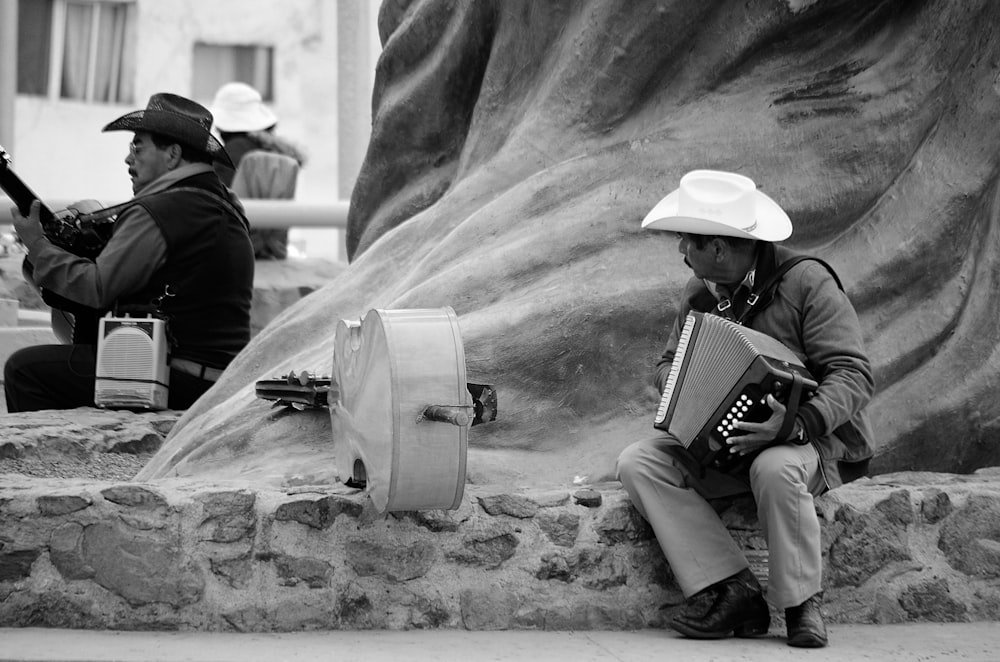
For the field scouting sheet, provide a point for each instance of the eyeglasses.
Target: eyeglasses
(133, 149)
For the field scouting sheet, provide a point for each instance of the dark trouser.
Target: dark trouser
(62, 377)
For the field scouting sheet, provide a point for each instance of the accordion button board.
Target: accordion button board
(721, 374)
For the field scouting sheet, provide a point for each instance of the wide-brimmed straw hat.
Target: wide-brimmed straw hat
(175, 117)
(713, 202)
(238, 108)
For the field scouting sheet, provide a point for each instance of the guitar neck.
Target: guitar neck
(18, 191)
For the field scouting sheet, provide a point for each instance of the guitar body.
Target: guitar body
(401, 420)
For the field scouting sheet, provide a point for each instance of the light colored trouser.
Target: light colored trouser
(666, 486)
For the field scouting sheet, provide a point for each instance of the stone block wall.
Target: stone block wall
(913, 546)
(182, 555)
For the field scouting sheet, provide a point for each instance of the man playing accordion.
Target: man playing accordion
(727, 231)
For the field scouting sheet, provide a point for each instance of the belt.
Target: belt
(196, 369)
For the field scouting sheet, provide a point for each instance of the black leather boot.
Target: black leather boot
(737, 608)
(698, 605)
(805, 624)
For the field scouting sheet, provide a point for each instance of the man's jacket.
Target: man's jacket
(813, 317)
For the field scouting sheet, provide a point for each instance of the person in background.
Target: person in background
(180, 249)
(266, 165)
(726, 231)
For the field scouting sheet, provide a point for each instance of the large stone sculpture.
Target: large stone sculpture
(517, 144)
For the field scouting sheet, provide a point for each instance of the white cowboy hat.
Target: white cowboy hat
(238, 108)
(719, 203)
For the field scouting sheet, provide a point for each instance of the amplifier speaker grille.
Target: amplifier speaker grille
(132, 370)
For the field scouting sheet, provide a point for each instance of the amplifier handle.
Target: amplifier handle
(794, 396)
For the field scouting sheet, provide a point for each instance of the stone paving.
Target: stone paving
(957, 642)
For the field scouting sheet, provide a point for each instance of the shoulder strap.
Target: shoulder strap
(762, 297)
(110, 214)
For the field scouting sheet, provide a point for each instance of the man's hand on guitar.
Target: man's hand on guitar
(758, 436)
(28, 229)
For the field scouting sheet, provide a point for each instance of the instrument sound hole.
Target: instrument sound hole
(360, 476)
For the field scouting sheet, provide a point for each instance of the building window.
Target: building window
(218, 64)
(77, 49)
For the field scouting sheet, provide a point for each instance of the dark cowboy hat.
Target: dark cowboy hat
(175, 117)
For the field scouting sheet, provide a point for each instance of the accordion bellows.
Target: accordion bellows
(722, 373)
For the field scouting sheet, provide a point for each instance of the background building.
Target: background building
(81, 63)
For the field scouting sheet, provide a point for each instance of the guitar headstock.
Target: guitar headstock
(17, 190)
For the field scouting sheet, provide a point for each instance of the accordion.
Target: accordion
(721, 374)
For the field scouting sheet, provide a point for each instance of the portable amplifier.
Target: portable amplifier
(132, 371)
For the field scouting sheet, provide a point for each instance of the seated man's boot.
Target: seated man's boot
(805, 624)
(738, 608)
(698, 605)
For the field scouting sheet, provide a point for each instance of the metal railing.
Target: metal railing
(262, 213)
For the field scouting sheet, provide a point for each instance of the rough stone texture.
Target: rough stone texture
(82, 432)
(175, 554)
(108, 445)
(516, 146)
(280, 283)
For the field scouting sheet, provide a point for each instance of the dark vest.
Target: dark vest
(208, 272)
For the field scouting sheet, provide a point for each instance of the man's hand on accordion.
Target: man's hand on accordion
(758, 436)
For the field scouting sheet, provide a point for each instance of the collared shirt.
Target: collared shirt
(720, 292)
(133, 254)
